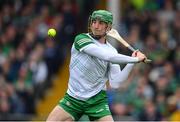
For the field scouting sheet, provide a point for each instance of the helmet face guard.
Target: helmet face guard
(102, 15)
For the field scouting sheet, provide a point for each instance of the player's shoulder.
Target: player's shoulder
(82, 40)
(82, 36)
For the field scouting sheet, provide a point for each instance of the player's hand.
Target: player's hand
(140, 55)
(134, 54)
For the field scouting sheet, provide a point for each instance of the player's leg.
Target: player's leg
(59, 114)
(106, 118)
(67, 109)
(97, 108)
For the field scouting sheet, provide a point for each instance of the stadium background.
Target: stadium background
(34, 68)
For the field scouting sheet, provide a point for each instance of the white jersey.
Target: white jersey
(88, 74)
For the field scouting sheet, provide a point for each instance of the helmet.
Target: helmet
(103, 15)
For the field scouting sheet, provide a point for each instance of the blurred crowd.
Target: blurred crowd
(29, 59)
(152, 92)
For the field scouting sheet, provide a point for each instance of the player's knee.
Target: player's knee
(58, 114)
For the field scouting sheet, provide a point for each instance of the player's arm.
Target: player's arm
(112, 57)
(85, 44)
(116, 76)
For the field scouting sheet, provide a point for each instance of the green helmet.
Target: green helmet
(103, 15)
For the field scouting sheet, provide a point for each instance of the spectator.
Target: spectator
(150, 112)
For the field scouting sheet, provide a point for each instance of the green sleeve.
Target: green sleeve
(81, 41)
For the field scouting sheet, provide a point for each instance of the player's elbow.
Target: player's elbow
(115, 85)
